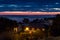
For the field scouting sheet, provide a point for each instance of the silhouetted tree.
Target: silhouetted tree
(55, 29)
(7, 24)
(21, 26)
(26, 20)
(37, 23)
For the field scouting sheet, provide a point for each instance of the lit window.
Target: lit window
(15, 29)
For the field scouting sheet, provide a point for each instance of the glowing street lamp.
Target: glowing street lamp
(27, 29)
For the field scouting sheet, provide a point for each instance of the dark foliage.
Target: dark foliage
(55, 29)
(7, 24)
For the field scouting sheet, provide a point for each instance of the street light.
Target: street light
(26, 29)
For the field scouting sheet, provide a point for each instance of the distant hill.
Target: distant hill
(31, 17)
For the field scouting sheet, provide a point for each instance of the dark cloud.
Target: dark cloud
(29, 5)
(26, 1)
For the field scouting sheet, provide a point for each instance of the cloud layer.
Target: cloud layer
(28, 13)
(31, 7)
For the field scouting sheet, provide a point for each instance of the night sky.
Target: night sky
(30, 5)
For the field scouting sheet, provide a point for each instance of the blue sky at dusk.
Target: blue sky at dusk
(30, 5)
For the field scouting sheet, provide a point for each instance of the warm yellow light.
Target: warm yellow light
(15, 29)
(43, 29)
(38, 29)
(33, 30)
(27, 29)
(30, 32)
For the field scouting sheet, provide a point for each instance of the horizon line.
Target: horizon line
(27, 13)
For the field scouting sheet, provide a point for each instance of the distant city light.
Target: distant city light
(27, 29)
(38, 29)
(15, 29)
(33, 30)
(43, 29)
(30, 32)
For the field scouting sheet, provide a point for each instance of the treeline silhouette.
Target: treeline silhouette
(55, 28)
(8, 24)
